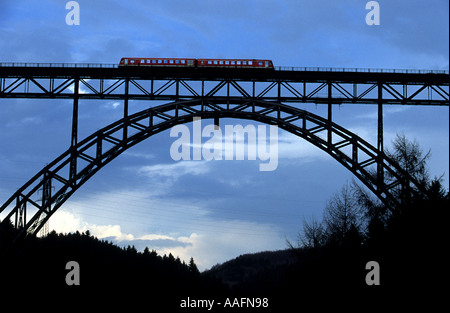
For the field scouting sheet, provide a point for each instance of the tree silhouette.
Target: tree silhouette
(411, 158)
(193, 267)
(313, 234)
(341, 217)
(409, 241)
(342, 221)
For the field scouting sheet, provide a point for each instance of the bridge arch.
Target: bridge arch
(68, 172)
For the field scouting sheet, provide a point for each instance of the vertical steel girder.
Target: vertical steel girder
(380, 140)
(74, 134)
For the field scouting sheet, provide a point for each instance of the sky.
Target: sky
(212, 210)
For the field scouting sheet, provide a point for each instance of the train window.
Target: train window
(190, 62)
(238, 62)
(250, 63)
(260, 63)
(131, 61)
(153, 61)
(244, 62)
(210, 62)
(177, 61)
(165, 62)
(159, 61)
(227, 62)
(183, 61)
(220, 62)
(142, 61)
(171, 61)
(215, 62)
(233, 62)
(148, 61)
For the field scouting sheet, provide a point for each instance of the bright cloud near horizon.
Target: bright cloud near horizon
(212, 210)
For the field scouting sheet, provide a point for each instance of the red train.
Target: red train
(180, 62)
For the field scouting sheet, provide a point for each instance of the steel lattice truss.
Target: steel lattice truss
(428, 90)
(263, 96)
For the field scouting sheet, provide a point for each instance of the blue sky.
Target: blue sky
(214, 210)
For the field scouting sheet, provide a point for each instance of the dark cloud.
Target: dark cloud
(309, 33)
(416, 26)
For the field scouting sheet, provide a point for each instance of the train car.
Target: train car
(235, 63)
(155, 62)
(204, 63)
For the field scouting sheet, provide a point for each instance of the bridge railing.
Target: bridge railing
(278, 68)
(359, 70)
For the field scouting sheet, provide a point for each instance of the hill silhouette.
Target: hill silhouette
(254, 273)
(123, 275)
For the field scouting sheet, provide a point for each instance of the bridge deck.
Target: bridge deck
(292, 74)
(282, 84)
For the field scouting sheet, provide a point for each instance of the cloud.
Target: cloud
(212, 242)
(109, 231)
(66, 222)
(141, 243)
(387, 110)
(231, 239)
(328, 33)
(112, 105)
(416, 26)
(25, 122)
(172, 172)
(295, 148)
(146, 156)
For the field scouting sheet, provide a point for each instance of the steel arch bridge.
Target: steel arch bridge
(270, 97)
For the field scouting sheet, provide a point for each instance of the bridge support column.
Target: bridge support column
(380, 145)
(380, 141)
(330, 113)
(125, 108)
(74, 139)
(216, 123)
